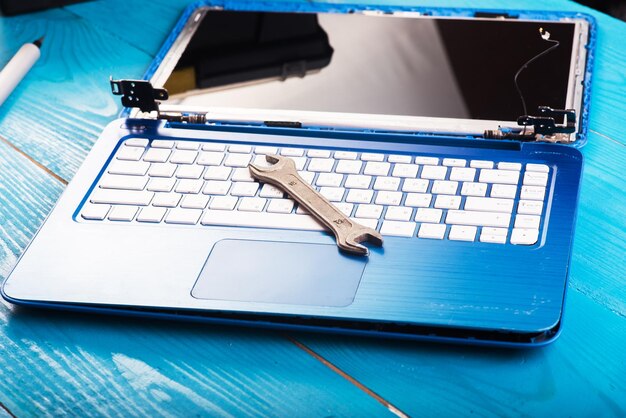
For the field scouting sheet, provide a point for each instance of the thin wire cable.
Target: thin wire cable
(530, 61)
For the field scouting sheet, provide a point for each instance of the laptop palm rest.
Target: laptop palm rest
(279, 272)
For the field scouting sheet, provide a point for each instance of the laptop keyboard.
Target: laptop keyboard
(426, 197)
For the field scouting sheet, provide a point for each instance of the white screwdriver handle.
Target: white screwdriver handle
(17, 68)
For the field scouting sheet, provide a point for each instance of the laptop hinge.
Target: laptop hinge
(140, 94)
(541, 128)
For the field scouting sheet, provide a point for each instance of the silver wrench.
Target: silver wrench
(348, 233)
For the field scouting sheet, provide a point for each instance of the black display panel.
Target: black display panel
(386, 65)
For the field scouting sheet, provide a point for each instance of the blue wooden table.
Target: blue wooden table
(74, 364)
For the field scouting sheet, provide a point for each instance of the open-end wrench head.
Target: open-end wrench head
(364, 235)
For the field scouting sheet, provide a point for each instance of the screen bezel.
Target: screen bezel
(356, 121)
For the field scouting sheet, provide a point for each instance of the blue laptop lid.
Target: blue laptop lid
(581, 70)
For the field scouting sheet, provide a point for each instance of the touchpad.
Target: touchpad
(279, 272)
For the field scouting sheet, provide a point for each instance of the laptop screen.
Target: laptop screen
(383, 64)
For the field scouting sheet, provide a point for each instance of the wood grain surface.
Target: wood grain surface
(57, 364)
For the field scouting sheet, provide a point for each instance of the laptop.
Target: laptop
(454, 133)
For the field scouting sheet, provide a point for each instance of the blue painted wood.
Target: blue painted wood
(86, 365)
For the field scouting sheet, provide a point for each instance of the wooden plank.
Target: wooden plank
(581, 374)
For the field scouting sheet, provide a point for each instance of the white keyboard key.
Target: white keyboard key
(399, 213)
(244, 189)
(448, 202)
(345, 208)
(166, 200)
(434, 172)
(403, 159)
(428, 215)
(387, 183)
(474, 218)
(510, 166)
(345, 155)
(151, 214)
(280, 206)
(349, 166)
(535, 178)
(405, 170)
(189, 172)
(370, 223)
(240, 149)
(129, 153)
(242, 174)
(238, 160)
(359, 196)
(188, 145)
(329, 179)
(307, 176)
(433, 231)
(389, 198)
(115, 181)
(370, 156)
(161, 143)
(418, 200)
(252, 204)
(521, 236)
(542, 168)
(159, 184)
(318, 153)
(217, 173)
(462, 174)
(321, 164)
(462, 233)
(94, 212)
(194, 201)
(300, 210)
(265, 150)
(189, 186)
(492, 239)
(499, 176)
(216, 187)
(444, 187)
(481, 164)
(505, 191)
(333, 194)
(269, 190)
(122, 213)
(530, 207)
(488, 230)
(474, 189)
(162, 170)
(210, 158)
(299, 162)
(183, 216)
(427, 160)
(533, 193)
(261, 161)
(454, 162)
(398, 228)
(489, 204)
(527, 221)
(222, 203)
(213, 146)
(358, 181)
(183, 157)
(136, 142)
(261, 220)
(157, 155)
(368, 211)
(121, 197)
(292, 152)
(415, 185)
(131, 168)
(375, 168)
